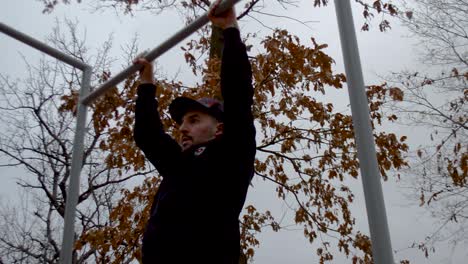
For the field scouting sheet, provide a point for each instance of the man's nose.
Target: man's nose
(183, 128)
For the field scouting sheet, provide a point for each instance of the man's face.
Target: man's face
(198, 127)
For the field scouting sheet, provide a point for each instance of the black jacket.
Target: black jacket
(195, 212)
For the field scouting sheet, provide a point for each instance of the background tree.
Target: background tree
(37, 137)
(369, 7)
(306, 147)
(307, 150)
(435, 99)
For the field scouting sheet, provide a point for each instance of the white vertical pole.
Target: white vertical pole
(377, 217)
(78, 143)
(68, 241)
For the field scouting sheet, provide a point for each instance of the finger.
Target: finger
(141, 61)
(213, 8)
(140, 58)
(142, 54)
(136, 61)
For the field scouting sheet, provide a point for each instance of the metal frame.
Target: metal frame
(78, 143)
(375, 205)
(381, 245)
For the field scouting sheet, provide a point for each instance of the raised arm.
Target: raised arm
(159, 148)
(236, 82)
(237, 91)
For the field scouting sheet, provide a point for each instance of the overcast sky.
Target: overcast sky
(381, 53)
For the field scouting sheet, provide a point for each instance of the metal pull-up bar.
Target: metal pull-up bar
(42, 47)
(158, 51)
(381, 245)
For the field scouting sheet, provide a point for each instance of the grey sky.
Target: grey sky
(380, 54)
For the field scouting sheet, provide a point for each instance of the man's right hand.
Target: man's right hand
(146, 72)
(224, 20)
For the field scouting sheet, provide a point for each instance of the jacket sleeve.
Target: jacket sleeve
(159, 147)
(237, 91)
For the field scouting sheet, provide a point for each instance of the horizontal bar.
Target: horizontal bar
(158, 51)
(42, 47)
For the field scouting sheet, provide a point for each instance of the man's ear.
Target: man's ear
(219, 129)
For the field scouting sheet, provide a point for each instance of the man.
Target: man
(206, 174)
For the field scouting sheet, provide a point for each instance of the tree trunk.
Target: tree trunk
(217, 42)
(216, 51)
